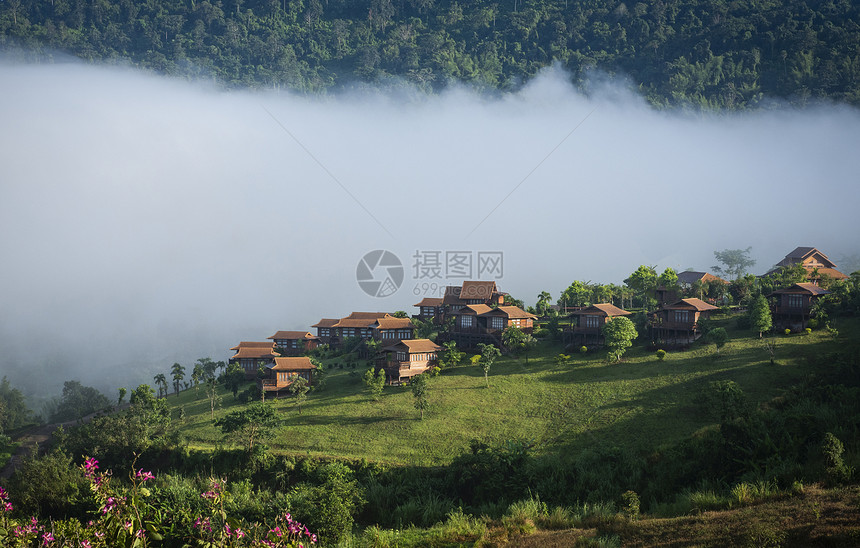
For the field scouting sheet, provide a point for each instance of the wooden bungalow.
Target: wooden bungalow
(390, 329)
(793, 305)
(814, 261)
(479, 323)
(408, 358)
(281, 374)
(294, 343)
(588, 329)
(678, 323)
(358, 325)
(430, 308)
(688, 278)
(253, 355)
(470, 293)
(324, 330)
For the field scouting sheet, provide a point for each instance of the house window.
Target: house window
(682, 316)
(465, 321)
(591, 321)
(401, 356)
(324, 332)
(497, 322)
(348, 332)
(516, 322)
(795, 301)
(404, 334)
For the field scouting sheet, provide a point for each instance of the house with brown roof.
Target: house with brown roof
(390, 329)
(324, 329)
(793, 305)
(678, 323)
(480, 323)
(471, 292)
(408, 358)
(430, 308)
(283, 371)
(814, 261)
(253, 355)
(588, 329)
(294, 343)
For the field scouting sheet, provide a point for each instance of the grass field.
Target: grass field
(640, 404)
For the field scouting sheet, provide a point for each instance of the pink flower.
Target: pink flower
(47, 538)
(90, 465)
(86, 544)
(144, 476)
(7, 507)
(140, 533)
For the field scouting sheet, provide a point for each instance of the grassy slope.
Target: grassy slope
(640, 403)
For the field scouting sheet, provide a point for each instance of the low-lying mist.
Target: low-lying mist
(147, 221)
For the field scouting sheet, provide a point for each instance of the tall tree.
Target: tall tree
(419, 385)
(233, 378)
(178, 373)
(299, 389)
(489, 353)
(735, 262)
(161, 382)
(374, 381)
(543, 301)
(643, 282)
(618, 335)
(78, 401)
(760, 318)
(718, 337)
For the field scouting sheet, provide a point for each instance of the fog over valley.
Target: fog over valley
(147, 221)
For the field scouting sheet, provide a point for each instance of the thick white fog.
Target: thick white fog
(147, 221)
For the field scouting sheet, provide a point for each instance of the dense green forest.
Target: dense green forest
(719, 54)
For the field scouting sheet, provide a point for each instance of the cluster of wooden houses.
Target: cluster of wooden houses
(476, 312)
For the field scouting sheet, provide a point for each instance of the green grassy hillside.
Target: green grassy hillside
(639, 404)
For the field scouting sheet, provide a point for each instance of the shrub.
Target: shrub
(813, 323)
(475, 359)
(562, 359)
(541, 333)
(583, 349)
(630, 505)
(808, 331)
(834, 466)
(788, 331)
(661, 355)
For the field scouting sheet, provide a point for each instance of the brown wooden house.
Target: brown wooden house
(588, 330)
(281, 374)
(792, 305)
(253, 355)
(408, 358)
(814, 261)
(678, 323)
(389, 329)
(294, 343)
(324, 329)
(430, 308)
(470, 293)
(480, 323)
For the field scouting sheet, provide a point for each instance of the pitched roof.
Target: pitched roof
(512, 312)
(477, 290)
(694, 303)
(293, 335)
(393, 323)
(832, 272)
(366, 315)
(356, 322)
(292, 364)
(475, 309)
(689, 277)
(803, 288)
(801, 253)
(603, 309)
(326, 322)
(416, 345)
(430, 301)
(452, 295)
(253, 344)
(255, 352)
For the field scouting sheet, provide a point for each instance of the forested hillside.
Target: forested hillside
(715, 54)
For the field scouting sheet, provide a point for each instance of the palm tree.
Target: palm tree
(161, 382)
(178, 373)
